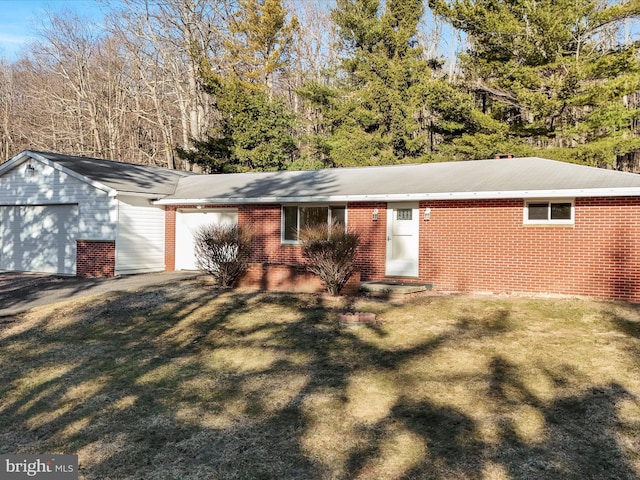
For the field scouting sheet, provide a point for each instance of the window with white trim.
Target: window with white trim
(549, 212)
(295, 217)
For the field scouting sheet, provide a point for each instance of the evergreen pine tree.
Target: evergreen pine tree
(254, 130)
(553, 72)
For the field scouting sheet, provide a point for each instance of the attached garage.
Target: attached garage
(82, 216)
(188, 221)
(140, 237)
(38, 238)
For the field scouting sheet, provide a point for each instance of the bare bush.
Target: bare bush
(223, 251)
(331, 253)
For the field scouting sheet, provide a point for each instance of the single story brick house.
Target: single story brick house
(516, 225)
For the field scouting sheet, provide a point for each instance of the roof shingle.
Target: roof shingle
(120, 176)
(499, 178)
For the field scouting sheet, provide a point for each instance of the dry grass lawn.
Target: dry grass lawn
(183, 382)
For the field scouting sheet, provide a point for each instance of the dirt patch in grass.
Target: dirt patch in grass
(188, 383)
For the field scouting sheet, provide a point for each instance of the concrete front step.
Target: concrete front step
(394, 287)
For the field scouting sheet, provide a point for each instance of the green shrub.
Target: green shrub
(330, 251)
(223, 251)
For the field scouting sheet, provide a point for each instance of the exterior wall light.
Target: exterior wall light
(374, 214)
(30, 170)
(427, 214)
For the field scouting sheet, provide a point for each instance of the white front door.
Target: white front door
(403, 225)
(188, 221)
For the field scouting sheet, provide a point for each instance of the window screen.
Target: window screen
(290, 226)
(549, 212)
(310, 216)
(560, 211)
(338, 215)
(538, 211)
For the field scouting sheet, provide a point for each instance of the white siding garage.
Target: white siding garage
(187, 222)
(44, 211)
(140, 237)
(82, 216)
(39, 238)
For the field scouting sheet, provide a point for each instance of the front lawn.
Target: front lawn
(183, 382)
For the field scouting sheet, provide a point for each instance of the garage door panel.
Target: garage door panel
(187, 223)
(140, 237)
(38, 238)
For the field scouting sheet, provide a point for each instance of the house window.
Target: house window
(295, 217)
(549, 212)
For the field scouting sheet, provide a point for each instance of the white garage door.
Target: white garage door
(140, 236)
(40, 238)
(187, 222)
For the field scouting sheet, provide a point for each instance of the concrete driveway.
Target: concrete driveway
(22, 291)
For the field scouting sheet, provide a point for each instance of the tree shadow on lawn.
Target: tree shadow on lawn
(262, 386)
(579, 436)
(579, 431)
(626, 320)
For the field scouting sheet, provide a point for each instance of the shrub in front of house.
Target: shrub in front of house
(223, 251)
(330, 251)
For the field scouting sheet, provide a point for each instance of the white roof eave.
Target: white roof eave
(150, 196)
(556, 193)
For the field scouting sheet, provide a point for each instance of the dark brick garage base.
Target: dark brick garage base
(95, 258)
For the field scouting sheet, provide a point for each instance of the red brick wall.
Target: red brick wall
(170, 238)
(264, 220)
(95, 258)
(287, 278)
(373, 234)
(267, 248)
(483, 246)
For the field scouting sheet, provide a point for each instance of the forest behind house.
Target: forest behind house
(241, 85)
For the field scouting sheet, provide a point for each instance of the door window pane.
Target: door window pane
(404, 214)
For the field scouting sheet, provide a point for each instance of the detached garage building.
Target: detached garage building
(82, 216)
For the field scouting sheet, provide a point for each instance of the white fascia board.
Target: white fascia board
(150, 196)
(264, 200)
(8, 165)
(110, 191)
(555, 193)
(570, 193)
